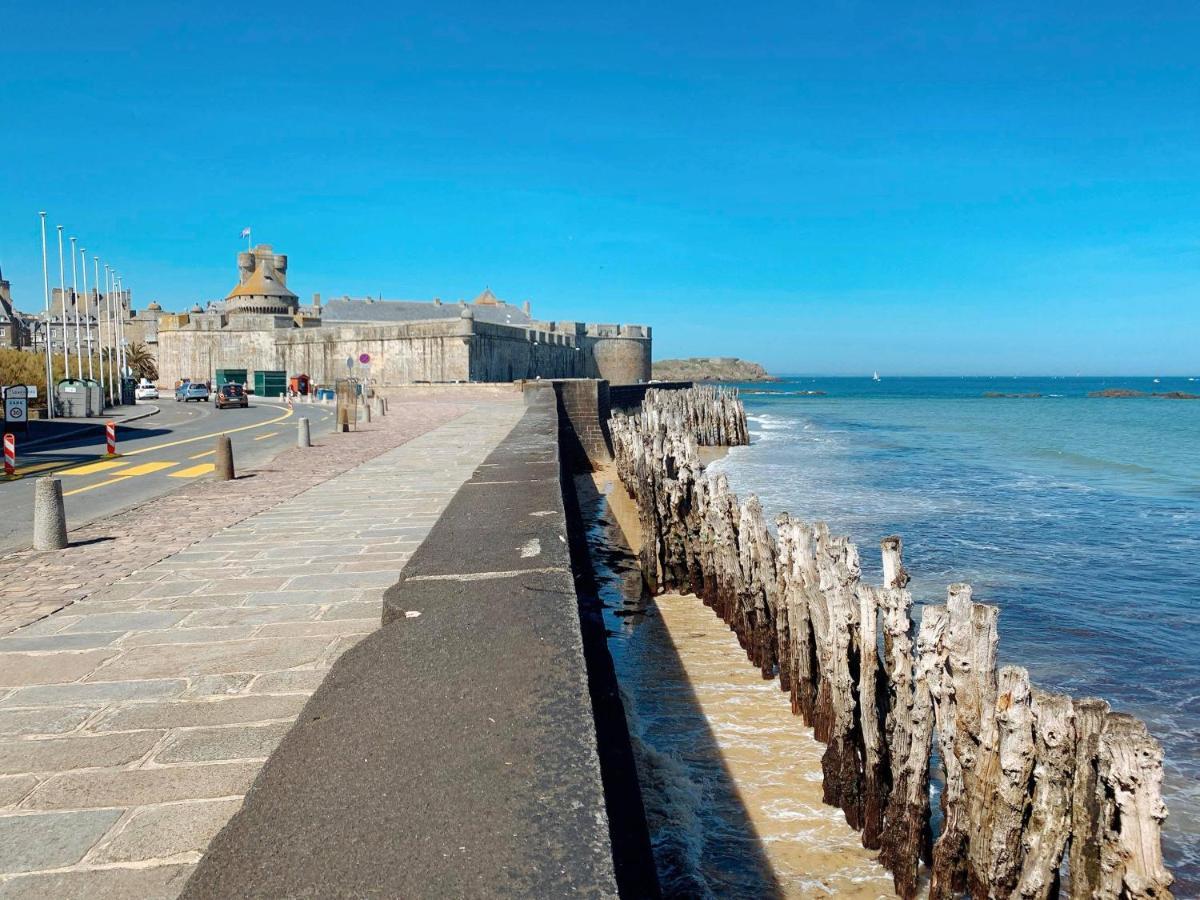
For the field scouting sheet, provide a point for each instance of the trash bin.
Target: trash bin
(72, 398)
(95, 397)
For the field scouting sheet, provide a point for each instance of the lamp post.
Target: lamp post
(122, 357)
(75, 304)
(46, 288)
(62, 295)
(99, 321)
(112, 334)
(87, 316)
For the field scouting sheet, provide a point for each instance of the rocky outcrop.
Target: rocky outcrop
(710, 368)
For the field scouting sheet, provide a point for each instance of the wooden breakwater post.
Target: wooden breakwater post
(1031, 778)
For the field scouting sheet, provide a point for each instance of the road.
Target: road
(156, 455)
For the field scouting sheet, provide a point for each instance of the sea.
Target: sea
(1078, 516)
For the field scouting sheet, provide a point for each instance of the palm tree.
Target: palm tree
(141, 361)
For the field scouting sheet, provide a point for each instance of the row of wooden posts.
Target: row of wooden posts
(1033, 782)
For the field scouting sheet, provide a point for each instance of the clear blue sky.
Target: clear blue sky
(826, 188)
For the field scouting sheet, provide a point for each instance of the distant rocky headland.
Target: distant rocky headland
(1127, 393)
(709, 368)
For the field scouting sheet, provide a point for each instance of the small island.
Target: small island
(1123, 393)
(709, 368)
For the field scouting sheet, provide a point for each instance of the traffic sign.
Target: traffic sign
(349, 363)
(16, 404)
(364, 358)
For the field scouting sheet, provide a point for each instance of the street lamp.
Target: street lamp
(46, 288)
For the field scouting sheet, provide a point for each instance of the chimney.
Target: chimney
(317, 300)
(526, 308)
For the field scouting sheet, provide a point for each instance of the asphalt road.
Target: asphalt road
(156, 455)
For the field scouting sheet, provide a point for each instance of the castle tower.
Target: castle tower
(262, 284)
(622, 352)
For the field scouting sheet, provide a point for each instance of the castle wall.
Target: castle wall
(436, 350)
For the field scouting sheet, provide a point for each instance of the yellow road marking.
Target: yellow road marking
(263, 437)
(202, 455)
(143, 469)
(203, 437)
(40, 467)
(193, 471)
(90, 468)
(147, 468)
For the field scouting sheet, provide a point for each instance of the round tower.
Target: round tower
(622, 353)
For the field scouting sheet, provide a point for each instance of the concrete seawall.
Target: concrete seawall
(474, 745)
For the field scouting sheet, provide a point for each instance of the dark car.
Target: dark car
(191, 390)
(231, 395)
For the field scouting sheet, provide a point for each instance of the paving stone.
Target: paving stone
(166, 831)
(173, 588)
(76, 752)
(230, 742)
(295, 680)
(251, 616)
(95, 692)
(243, 585)
(43, 720)
(322, 627)
(355, 609)
(140, 787)
(341, 581)
(20, 669)
(50, 642)
(187, 636)
(217, 685)
(49, 625)
(51, 840)
(125, 621)
(212, 659)
(300, 598)
(155, 883)
(195, 713)
(14, 788)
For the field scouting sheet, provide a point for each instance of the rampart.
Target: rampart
(435, 350)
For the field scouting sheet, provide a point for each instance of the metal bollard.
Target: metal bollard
(49, 515)
(223, 467)
(303, 437)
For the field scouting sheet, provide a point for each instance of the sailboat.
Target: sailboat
(875, 377)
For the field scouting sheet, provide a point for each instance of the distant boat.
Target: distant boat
(1156, 381)
(875, 377)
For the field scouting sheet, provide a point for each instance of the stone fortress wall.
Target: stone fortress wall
(437, 350)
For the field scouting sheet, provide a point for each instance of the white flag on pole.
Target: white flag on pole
(245, 232)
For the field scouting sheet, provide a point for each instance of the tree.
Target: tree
(141, 361)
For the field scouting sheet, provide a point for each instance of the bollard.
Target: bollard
(223, 467)
(343, 420)
(49, 515)
(367, 412)
(10, 454)
(380, 407)
(303, 438)
(110, 437)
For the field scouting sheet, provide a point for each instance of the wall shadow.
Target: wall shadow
(703, 839)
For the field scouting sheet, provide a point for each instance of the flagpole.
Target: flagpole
(62, 295)
(112, 334)
(87, 316)
(46, 288)
(123, 359)
(75, 304)
(99, 325)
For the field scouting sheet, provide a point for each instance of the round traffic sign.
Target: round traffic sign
(364, 358)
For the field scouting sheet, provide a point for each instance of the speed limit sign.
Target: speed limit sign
(16, 404)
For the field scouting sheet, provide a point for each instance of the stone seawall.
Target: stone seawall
(456, 749)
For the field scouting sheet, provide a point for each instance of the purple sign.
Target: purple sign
(364, 358)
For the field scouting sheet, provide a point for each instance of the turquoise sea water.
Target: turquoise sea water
(1079, 517)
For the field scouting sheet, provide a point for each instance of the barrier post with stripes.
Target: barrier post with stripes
(10, 454)
(110, 435)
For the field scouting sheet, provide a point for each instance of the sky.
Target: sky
(956, 188)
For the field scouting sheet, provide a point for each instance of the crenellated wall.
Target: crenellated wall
(433, 350)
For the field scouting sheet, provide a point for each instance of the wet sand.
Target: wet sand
(691, 695)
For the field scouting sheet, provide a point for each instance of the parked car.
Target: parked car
(191, 390)
(230, 395)
(145, 392)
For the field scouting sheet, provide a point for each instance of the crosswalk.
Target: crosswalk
(122, 469)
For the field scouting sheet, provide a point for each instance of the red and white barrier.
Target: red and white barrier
(110, 434)
(10, 454)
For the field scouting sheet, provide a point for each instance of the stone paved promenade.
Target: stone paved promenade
(133, 721)
(35, 584)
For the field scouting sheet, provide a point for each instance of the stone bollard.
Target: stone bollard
(223, 470)
(303, 438)
(380, 406)
(367, 412)
(49, 515)
(343, 420)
